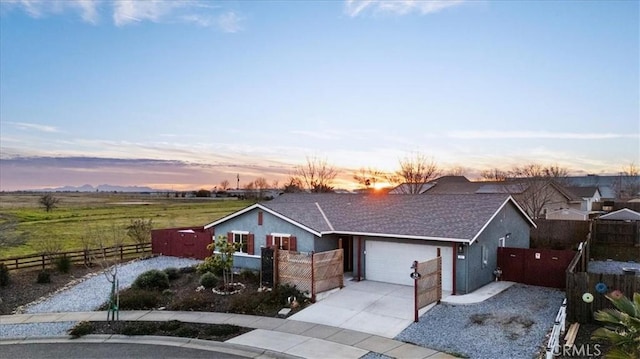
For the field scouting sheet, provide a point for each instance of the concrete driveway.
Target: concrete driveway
(372, 307)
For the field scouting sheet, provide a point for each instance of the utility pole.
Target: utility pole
(238, 181)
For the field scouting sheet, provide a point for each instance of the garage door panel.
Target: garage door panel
(391, 262)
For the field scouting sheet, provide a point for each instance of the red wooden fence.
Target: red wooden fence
(182, 242)
(542, 267)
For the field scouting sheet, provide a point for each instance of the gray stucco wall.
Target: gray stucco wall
(471, 273)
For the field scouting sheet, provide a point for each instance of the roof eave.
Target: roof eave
(266, 209)
(509, 199)
(396, 235)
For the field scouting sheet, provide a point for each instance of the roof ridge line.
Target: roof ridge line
(324, 216)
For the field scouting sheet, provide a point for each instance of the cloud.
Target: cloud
(230, 22)
(87, 9)
(355, 8)
(126, 12)
(488, 135)
(33, 126)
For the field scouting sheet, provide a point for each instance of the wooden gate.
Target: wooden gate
(427, 278)
(309, 272)
(541, 267)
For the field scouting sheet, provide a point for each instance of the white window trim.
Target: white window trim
(240, 233)
(280, 235)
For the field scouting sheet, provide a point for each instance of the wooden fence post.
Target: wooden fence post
(313, 282)
(276, 272)
(43, 262)
(121, 254)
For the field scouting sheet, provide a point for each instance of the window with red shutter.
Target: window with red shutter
(250, 244)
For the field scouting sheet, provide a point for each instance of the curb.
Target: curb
(199, 344)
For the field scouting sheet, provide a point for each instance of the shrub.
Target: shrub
(190, 269)
(136, 299)
(4, 275)
(172, 273)
(43, 277)
(63, 264)
(622, 325)
(249, 276)
(139, 328)
(152, 280)
(196, 302)
(82, 328)
(210, 266)
(208, 280)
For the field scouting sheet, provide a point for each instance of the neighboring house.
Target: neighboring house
(411, 188)
(382, 235)
(611, 187)
(584, 197)
(535, 196)
(624, 214)
(569, 214)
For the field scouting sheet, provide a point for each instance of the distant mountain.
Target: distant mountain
(101, 188)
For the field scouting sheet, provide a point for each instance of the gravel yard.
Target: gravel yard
(611, 267)
(512, 324)
(89, 294)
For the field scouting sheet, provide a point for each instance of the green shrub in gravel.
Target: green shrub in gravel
(82, 328)
(137, 299)
(208, 280)
(152, 280)
(63, 264)
(43, 277)
(4, 275)
(173, 273)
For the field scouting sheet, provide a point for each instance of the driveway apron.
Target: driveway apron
(378, 308)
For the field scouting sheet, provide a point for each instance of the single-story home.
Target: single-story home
(624, 214)
(383, 234)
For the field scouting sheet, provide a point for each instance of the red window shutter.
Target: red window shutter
(260, 218)
(269, 241)
(250, 246)
(293, 244)
(230, 237)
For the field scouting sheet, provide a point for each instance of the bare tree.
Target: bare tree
(369, 177)
(224, 185)
(494, 174)
(261, 185)
(456, 171)
(316, 174)
(628, 184)
(49, 201)
(415, 170)
(293, 186)
(139, 230)
(536, 187)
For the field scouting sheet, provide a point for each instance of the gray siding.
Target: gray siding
(508, 220)
(270, 224)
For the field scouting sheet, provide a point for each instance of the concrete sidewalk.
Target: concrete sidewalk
(479, 295)
(294, 338)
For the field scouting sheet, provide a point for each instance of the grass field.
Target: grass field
(24, 224)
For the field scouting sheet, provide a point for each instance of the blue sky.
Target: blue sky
(185, 94)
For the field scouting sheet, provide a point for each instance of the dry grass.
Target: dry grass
(24, 225)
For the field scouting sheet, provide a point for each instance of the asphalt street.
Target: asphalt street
(105, 350)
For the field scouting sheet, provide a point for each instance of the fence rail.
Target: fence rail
(87, 256)
(558, 327)
(313, 272)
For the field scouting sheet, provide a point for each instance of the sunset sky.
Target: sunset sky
(185, 94)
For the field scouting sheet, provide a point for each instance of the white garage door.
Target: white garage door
(391, 262)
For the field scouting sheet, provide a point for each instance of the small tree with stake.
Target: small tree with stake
(49, 201)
